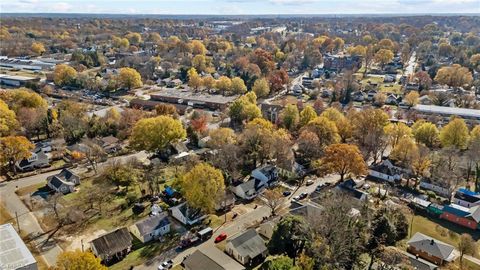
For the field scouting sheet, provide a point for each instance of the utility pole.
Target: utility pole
(82, 245)
(18, 223)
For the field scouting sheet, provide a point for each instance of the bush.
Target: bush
(431, 194)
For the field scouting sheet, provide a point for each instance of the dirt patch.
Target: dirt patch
(75, 242)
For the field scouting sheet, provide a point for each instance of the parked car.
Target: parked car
(309, 182)
(220, 237)
(320, 187)
(303, 195)
(287, 193)
(166, 265)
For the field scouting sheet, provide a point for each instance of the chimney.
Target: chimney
(432, 242)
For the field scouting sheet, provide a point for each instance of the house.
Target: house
(391, 99)
(267, 174)
(38, 159)
(187, 215)
(431, 249)
(64, 182)
(225, 202)
(109, 143)
(210, 258)
(112, 246)
(466, 217)
(309, 210)
(388, 78)
(266, 229)
(359, 96)
(466, 198)
(14, 254)
(247, 248)
(442, 191)
(151, 227)
(386, 171)
(248, 190)
(352, 187)
(371, 95)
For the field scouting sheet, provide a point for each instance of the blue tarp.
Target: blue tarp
(468, 192)
(169, 191)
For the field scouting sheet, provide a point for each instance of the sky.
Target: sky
(241, 7)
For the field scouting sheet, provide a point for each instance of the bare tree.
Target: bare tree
(466, 245)
(94, 153)
(273, 199)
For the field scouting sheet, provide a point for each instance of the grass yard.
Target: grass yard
(144, 252)
(441, 229)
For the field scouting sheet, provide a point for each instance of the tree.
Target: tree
(238, 86)
(279, 263)
(424, 80)
(405, 151)
(411, 99)
(120, 174)
(78, 260)
(165, 109)
(261, 88)
(358, 50)
(220, 137)
(277, 79)
(129, 78)
(23, 98)
(208, 82)
(244, 108)
(383, 56)
(134, 38)
(198, 47)
(194, 80)
(37, 48)
(343, 125)
(291, 236)
(94, 153)
(201, 180)
(426, 133)
(154, 134)
(380, 98)
(325, 129)
(8, 121)
(466, 245)
(342, 159)
(368, 130)
(395, 132)
(273, 199)
(454, 76)
(290, 117)
(308, 145)
(223, 84)
(64, 75)
(199, 62)
(14, 149)
(73, 119)
(455, 134)
(306, 115)
(475, 61)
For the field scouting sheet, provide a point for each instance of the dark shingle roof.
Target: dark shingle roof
(113, 242)
(430, 245)
(249, 243)
(200, 261)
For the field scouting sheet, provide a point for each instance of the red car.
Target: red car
(220, 237)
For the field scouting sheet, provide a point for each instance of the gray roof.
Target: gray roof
(152, 223)
(432, 246)
(462, 112)
(113, 242)
(211, 258)
(249, 243)
(13, 251)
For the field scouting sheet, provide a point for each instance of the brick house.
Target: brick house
(431, 249)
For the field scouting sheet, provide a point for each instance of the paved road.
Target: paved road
(412, 63)
(234, 227)
(27, 220)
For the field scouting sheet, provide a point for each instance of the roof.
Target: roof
(249, 244)
(462, 112)
(211, 258)
(17, 78)
(13, 250)
(113, 242)
(460, 211)
(468, 197)
(57, 182)
(189, 96)
(432, 246)
(421, 202)
(152, 223)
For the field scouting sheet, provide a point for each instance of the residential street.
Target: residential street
(233, 227)
(27, 220)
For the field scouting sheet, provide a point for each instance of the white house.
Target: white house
(187, 215)
(248, 190)
(386, 171)
(151, 227)
(64, 182)
(435, 188)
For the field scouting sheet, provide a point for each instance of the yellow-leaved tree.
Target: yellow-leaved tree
(201, 186)
(455, 134)
(8, 121)
(64, 74)
(344, 159)
(78, 260)
(13, 149)
(154, 134)
(129, 78)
